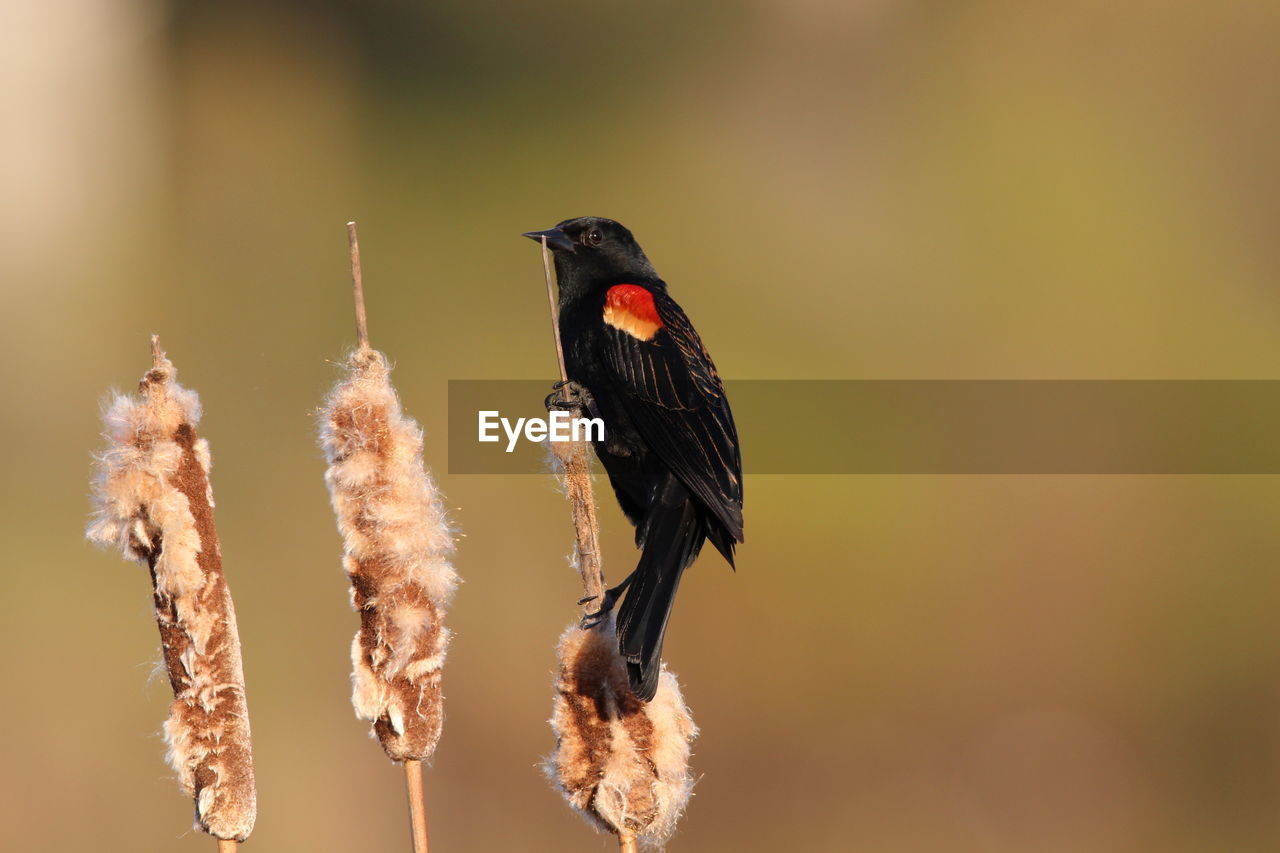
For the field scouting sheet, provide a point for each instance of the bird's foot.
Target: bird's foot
(569, 396)
(608, 599)
(565, 395)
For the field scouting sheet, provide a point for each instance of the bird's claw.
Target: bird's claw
(569, 396)
(608, 599)
(555, 401)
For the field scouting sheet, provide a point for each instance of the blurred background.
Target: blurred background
(857, 189)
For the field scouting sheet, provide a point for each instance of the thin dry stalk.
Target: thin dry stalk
(357, 287)
(621, 763)
(417, 804)
(153, 501)
(398, 545)
(555, 311)
(575, 465)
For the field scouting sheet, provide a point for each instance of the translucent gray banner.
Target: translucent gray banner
(938, 426)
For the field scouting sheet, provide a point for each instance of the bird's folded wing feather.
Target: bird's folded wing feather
(674, 395)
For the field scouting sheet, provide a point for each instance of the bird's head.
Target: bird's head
(592, 251)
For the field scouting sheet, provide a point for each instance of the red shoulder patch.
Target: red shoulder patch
(630, 308)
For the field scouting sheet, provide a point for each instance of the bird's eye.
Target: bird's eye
(593, 237)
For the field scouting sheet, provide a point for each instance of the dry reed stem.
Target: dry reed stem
(417, 805)
(575, 474)
(357, 287)
(555, 312)
(153, 500)
(575, 471)
(621, 763)
(397, 548)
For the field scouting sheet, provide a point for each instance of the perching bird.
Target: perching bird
(670, 446)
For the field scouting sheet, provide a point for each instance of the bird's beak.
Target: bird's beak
(556, 239)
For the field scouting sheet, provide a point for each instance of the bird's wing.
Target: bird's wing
(674, 396)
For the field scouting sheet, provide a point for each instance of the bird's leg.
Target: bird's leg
(571, 396)
(609, 599)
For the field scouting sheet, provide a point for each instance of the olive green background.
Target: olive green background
(835, 190)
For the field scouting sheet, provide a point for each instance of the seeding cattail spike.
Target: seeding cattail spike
(621, 763)
(357, 288)
(153, 501)
(397, 550)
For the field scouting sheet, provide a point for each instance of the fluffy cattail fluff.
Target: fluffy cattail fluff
(622, 763)
(153, 500)
(397, 548)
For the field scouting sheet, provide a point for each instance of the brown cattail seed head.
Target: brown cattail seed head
(398, 545)
(153, 501)
(622, 763)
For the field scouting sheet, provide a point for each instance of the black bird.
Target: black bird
(670, 446)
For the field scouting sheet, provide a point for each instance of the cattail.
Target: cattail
(620, 762)
(152, 499)
(397, 549)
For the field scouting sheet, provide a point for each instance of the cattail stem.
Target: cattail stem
(357, 287)
(417, 805)
(555, 314)
(227, 845)
(582, 505)
(626, 843)
(577, 476)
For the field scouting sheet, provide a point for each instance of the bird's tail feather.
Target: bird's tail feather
(673, 537)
